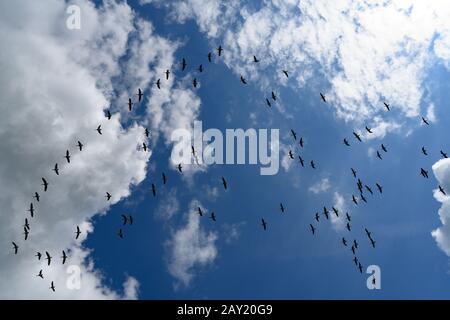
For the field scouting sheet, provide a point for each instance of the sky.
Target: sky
(57, 83)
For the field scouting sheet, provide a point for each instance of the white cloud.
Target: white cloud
(368, 52)
(441, 170)
(63, 79)
(168, 206)
(191, 246)
(321, 186)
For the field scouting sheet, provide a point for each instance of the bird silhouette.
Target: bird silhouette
(16, 247)
(425, 121)
(108, 114)
(183, 64)
(346, 142)
(353, 172)
(153, 189)
(164, 179)
(286, 73)
(368, 130)
(36, 196)
(67, 156)
(281, 207)
(300, 142)
(31, 210)
(323, 97)
(52, 287)
(264, 224)
(444, 155)
(77, 233)
(64, 257)
(48, 257)
(442, 190)
(301, 161)
(209, 56)
(200, 68)
(313, 230)
(424, 173)
(424, 151)
(294, 134)
(158, 83)
(45, 184)
(80, 145)
(380, 188)
(357, 136)
(40, 274)
(26, 233)
(243, 80)
(120, 233)
(140, 94)
(383, 147)
(167, 74)
(213, 216)
(130, 104)
(274, 97)
(387, 106)
(313, 164)
(224, 183)
(219, 50)
(108, 196)
(180, 168)
(99, 129)
(255, 59)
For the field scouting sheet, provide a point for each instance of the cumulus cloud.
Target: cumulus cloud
(55, 85)
(190, 247)
(441, 170)
(367, 52)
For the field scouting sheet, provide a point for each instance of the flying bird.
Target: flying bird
(344, 242)
(425, 121)
(158, 83)
(16, 247)
(183, 64)
(108, 196)
(45, 184)
(67, 156)
(243, 80)
(274, 97)
(146, 132)
(368, 232)
(312, 164)
(80, 145)
(219, 50)
(200, 68)
(52, 287)
(424, 151)
(286, 73)
(380, 188)
(144, 147)
(442, 190)
(264, 224)
(291, 155)
(180, 168)
(387, 106)
(139, 94)
(301, 161)
(349, 218)
(353, 172)
(349, 227)
(325, 212)
(77, 233)
(99, 129)
(357, 136)
(294, 134)
(164, 178)
(130, 104)
(346, 142)
(300, 142)
(108, 115)
(40, 274)
(424, 173)
(36, 196)
(360, 268)
(372, 242)
(124, 219)
(268, 103)
(379, 155)
(368, 130)
(355, 244)
(336, 211)
(313, 230)
(317, 217)
(225, 184)
(48, 257)
(26, 232)
(444, 155)
(383, 147)
(354, 199)
(194, 82)
(167, 74)
(64, 257)
(368, 189)
(120, 234)
(153, 189)
(281, 207)
(355, 259)
(255, 59)
(31, 210)
(209, 56)
(363, 198)
(323, 97)
(26, 224)
(38, 255)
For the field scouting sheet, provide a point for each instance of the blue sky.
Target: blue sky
(286, 262)
(358, 55)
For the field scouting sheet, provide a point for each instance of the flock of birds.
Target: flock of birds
(363, 189)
